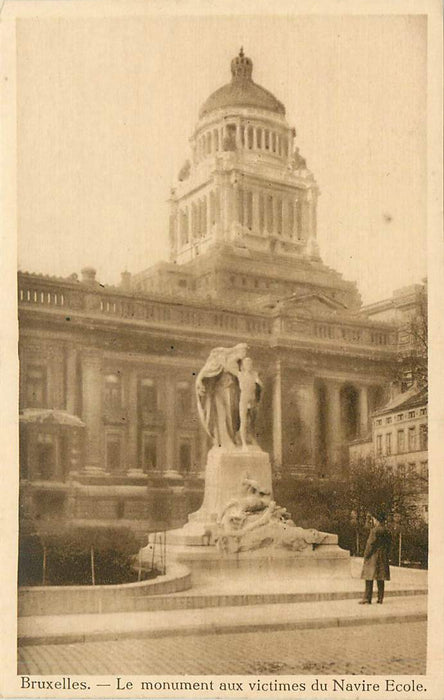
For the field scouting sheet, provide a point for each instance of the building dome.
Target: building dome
(242, 91)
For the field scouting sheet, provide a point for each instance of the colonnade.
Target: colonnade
(322, 414)
(197, 218)
(260, 211)
(243, 136)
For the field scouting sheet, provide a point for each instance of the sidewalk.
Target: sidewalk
(66, 629)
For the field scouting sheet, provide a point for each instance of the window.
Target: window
(113, 452)
(149, 452)
(400, 416)
(388, 444)
(422, 411)
(147, 395)
(379, 444)
(113, 391)
(424, 470)
(185, 457)
(183, 398)
(411, 468)
(411, 414)
(388, 420)
(401, 441)
(35, 387)
(423, 437)
(412, 438)
(379, 421)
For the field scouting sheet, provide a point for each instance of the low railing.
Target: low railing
(57, 295)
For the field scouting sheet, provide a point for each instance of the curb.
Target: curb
(220, 628)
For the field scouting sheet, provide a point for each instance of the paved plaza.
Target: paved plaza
(397, 648)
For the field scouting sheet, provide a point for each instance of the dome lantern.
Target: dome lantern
(241, 67)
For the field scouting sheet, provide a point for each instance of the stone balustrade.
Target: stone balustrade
(51, 295)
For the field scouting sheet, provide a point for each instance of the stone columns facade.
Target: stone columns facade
(307, 407)
(363, 411)
(72, 401)
(170, 423)
(132, 461)
(255, 222)
(334, 426)
(91, 363)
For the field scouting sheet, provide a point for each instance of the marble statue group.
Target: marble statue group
(228, 393)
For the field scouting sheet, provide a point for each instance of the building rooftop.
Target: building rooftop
(242, 91)
(411, 398)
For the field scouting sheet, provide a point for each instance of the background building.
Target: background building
(109, 422)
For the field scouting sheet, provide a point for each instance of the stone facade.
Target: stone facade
(244, 266)
(399, 437)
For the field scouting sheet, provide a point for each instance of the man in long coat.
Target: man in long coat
(376, 558)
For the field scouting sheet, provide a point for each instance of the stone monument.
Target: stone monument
(239, 524)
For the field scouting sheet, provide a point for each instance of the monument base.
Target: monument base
(269, 564)
(279, 551)
(225, 471)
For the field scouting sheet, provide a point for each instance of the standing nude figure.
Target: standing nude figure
(250, 392)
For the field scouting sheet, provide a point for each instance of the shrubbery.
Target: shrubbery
(69, 556)
(342, 507)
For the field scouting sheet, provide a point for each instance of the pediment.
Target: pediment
(312, 304)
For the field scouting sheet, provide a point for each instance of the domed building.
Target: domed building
(110, 430)
(243, 209)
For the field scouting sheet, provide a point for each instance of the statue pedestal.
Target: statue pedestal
(225, 471)
(193, 545)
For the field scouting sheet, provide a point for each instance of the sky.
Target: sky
(105, 108)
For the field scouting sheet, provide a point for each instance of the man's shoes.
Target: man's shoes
(365, 602)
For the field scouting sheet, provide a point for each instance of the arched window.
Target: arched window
(259, 137)
(250, 137)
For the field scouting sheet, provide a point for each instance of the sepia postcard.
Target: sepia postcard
(222, 349)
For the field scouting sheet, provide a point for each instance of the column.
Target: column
(305, 216)
(277, 416)
(92, 410)
(133, 466)
(210, 212)
(235, 203)
(71, 399)
(255, 223)
(285, 221)
(297, 219)
(307, 414)
(254, 138)
(238, 137)
(334, 427)
(170, 423)
(276, 217)
(363, 411)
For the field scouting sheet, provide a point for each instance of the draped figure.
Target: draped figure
(218, 394)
